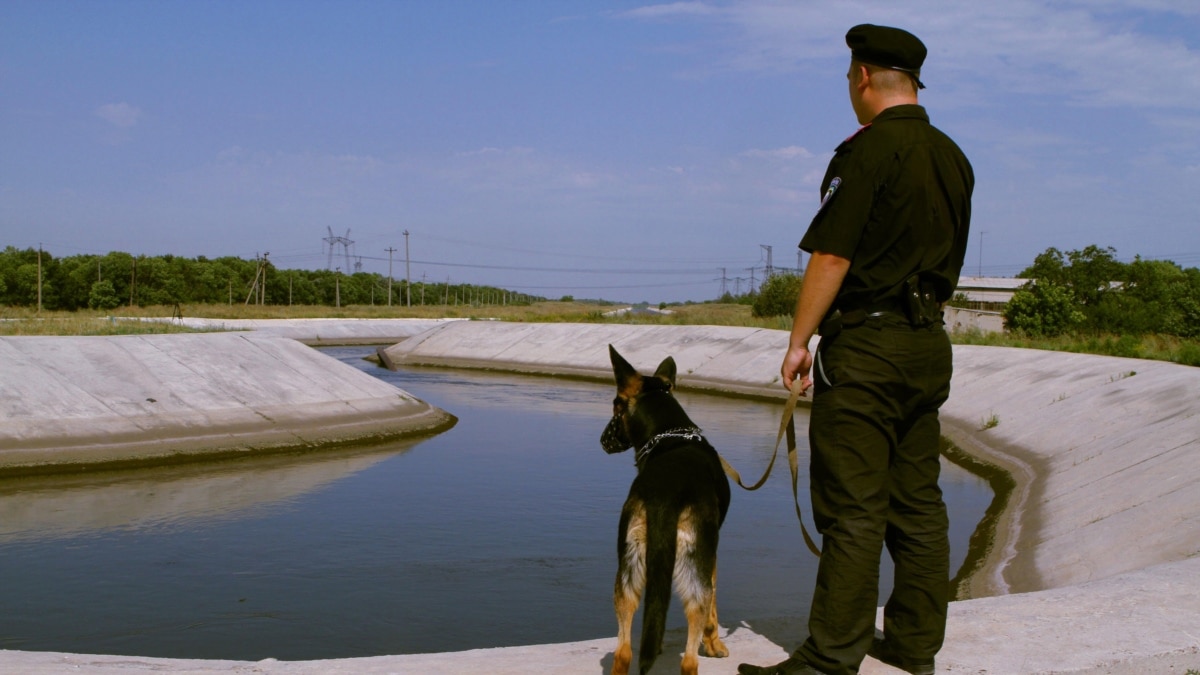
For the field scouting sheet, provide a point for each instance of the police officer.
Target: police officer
(887, 245)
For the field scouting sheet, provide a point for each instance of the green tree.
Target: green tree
(1088, 274)
(777, 296)
(1042, 308)
(103, 296)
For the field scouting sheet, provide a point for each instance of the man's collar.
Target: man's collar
(901, 112)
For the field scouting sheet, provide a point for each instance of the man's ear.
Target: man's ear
(861, 75)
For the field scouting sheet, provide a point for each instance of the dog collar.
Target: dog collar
(689, 433)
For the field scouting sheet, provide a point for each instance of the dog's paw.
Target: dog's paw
(716, 649)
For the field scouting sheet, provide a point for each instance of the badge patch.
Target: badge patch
(833, 186)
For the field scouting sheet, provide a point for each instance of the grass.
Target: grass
(1152, 347)
(20, 321)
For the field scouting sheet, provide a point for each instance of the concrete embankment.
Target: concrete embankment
(316, 332)
(67, 402)
(1096, 561)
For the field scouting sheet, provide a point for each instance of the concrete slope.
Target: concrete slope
(315, 331)
(1104, 449)
(68, 401)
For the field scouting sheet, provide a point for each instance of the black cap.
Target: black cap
(887, 47)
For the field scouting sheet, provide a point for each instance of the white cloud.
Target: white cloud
(120, 115)
(791, 152)
(673, 9)
(1089, 54)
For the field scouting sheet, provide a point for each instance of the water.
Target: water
(499, 532)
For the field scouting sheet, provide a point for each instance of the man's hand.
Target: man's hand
(822, 280)
(797, 363)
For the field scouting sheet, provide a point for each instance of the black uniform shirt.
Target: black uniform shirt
(896, 202)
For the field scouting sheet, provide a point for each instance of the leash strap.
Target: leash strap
(787, 427)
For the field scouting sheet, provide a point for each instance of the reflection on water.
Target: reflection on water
(145, 499)
(498, 532)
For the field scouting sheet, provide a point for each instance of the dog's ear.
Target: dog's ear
(624, 373)
(666, 371)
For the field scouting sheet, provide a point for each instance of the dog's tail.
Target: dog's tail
(661, 526)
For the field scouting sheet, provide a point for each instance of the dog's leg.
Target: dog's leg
(696, 612)
(712, 641)
(694, 590)
(631, 580)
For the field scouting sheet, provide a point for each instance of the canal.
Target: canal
(498, 532)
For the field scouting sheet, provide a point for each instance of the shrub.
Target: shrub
(103, 296)
(777, 296)
(1042, 309)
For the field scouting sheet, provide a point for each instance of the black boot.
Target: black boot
(792, 666)
(882, 650)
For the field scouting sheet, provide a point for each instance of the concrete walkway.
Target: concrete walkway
(1095, 567)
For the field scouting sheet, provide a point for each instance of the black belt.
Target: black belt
(838, 320)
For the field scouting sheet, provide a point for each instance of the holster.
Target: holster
(920, 302)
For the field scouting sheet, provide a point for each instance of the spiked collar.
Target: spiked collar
(689, 433)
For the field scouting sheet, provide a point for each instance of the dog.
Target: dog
(671, 520)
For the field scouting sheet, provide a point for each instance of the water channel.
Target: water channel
(499, 532)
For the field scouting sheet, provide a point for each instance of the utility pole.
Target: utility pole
(39, 277)
(390, 250)
(257, 289)
(981, 233)
(407, 274)
(337, 288)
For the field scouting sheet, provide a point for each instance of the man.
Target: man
(887, 245)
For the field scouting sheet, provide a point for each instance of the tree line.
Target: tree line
(1085, 290)
(117, 279)
(1090, 290)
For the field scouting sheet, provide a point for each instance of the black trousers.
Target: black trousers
(874, 436)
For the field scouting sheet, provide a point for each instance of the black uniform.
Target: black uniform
(897, 204)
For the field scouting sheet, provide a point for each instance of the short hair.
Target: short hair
(888, 79)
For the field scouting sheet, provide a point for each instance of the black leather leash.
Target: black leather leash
(787, 427)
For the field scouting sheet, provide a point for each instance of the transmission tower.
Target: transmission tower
(345, 242)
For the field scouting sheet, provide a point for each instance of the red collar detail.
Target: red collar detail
(855, 134)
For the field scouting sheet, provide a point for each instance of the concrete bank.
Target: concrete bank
(1095, 568)
(71, 401)
(317, 332)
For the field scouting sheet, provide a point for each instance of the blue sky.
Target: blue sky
(622, 150)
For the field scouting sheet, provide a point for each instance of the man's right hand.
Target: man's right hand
(797, 364)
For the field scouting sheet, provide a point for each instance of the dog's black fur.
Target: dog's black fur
(671, 521)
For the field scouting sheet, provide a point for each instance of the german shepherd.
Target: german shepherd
(671, 520)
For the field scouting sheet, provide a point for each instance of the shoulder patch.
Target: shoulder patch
(829, 192)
